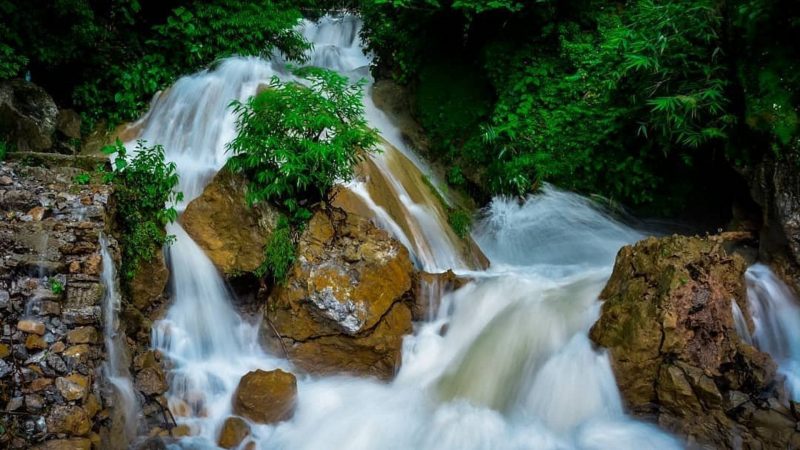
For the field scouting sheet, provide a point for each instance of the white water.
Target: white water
(115, 368)
(776, 316)
(515, 369)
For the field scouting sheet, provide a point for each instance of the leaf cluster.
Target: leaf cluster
(144, 190)
(295, 140)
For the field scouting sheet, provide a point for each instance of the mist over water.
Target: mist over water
(506, 363)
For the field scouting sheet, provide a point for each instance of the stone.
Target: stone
(266, 397)
(148, 285)
(336, 314)
(429, 288)
(37, 213)
(231, 233)
(6, 181)
(56, 363)
(668, 325)
(31, 326)
(34, 402)
(27, 115)
(234, 430)
(5, 350)
(35, 342)
(40, 384)
(68, 419)
(82, 335)
(68, 123)
(66, 444)
(79, 352)
(73, 387)
(151, 381)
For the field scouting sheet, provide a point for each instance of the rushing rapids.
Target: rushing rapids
(515, 369)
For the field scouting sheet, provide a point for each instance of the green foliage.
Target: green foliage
(294, 141)
(109, 58)
(143, 184)
(3, 150)
(82, 178)
(461, 222)
(279, 253)
(592, 98)
(56, 287)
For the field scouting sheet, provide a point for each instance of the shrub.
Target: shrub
(460, 221)
(295, 141)
(279, 253)
(144, 184)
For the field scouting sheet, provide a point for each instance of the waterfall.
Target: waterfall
(515, 369)
(776, 316)
(117, 362)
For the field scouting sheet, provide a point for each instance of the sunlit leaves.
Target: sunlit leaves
(296, 139)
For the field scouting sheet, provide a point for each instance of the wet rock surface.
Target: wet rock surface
(234, 431)
(667, 322)
(345, 306)
(265, 397)
(232, 234)
(27, 115)
(51, 297)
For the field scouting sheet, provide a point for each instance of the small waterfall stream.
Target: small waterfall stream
(776, 316)
(117, 359)
(515, 369)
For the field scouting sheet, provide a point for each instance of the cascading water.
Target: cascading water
(776, 316)
(515, 369)
(117, 361)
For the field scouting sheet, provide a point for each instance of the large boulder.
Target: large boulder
(667, 322)
(27, 116)
(231, 233)
(148, 285)
(344, 307)
(266, 397)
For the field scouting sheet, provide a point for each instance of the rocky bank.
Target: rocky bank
(667, 322)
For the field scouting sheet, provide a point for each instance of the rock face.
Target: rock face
(27, 115)
(345, 306)
(266, 397)
(232, 234)
(234, 430)
(775, 186)
(668, 324)
(51, 303)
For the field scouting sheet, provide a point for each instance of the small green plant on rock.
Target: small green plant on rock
(460, 221)
(144, 184)
(82, 178)
(56, 287)
(279, 253)
(295, 141)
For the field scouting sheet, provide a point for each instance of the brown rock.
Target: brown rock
(35, 342)
(5, 350)
(40, 384)
(82, 335)
(151, 381)
(232, 234)
(667, 322)
(234, 430)
(429, 288)
(73, 387)
(68, 122)
(58, 347)
(342, 308)
(31, 326)
(68, 419)
(66, 444)
(266, 397)
(80, 351)
(37, 213)
(148, 285)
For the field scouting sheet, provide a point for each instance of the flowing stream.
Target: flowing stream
(515, 369)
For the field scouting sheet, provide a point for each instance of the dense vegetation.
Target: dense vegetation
(294, 141)
(640, 101)
(108, 58)
(144, 191)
